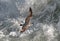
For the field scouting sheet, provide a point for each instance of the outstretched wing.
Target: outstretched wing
(29, 16)
(27, 20)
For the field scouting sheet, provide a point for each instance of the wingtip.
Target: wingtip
(30, 9)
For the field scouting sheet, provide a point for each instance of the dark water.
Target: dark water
(45, 23)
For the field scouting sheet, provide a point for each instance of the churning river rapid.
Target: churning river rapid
(45, 23)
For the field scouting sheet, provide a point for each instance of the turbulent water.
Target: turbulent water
(45, 23)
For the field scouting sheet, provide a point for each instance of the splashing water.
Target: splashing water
(45, 21)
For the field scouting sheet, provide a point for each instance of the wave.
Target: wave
(45, 21)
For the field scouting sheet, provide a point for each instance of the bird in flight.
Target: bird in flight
(25, 26)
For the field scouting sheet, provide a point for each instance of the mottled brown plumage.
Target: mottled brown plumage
(27, 21)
